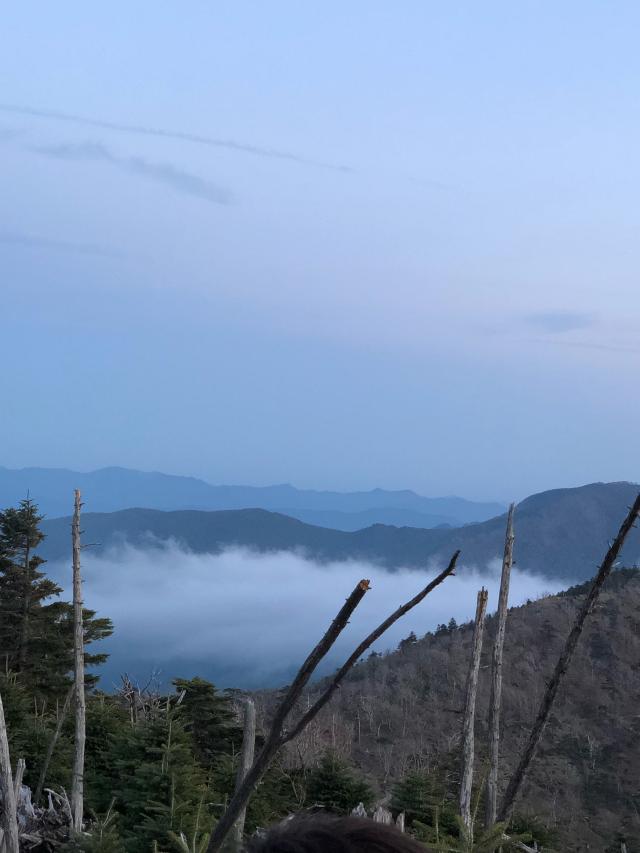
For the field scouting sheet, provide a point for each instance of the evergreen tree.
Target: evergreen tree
(422, 798)
(336, 787)
(208, 717)
(409, 641)
(159, 786)
(36, 636)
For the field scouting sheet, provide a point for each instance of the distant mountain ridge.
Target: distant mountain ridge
(113, 489)
(561, 533)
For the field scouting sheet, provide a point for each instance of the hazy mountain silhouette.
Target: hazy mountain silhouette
(561, 533)
(112, 489)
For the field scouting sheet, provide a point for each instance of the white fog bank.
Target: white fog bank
(245, 619)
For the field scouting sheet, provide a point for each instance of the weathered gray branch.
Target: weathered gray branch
(77, 780)
(468, 721)
(7, 791)
(496, 676)
(519, 776)
(246, 760)
(273, 740)
(277, 736)
(365, 645)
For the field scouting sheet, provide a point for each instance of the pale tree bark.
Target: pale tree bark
(468, 722)
(496, 676)
(8, 791)
(520, 773)
(246, 760)
(77, 781)
(52, 743)
(278, 735)
(26, 605)
(21, 766)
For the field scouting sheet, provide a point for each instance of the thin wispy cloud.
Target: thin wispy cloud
(558, 322)
(163, 173)
(593, 345)
(184, 136)
(32, 241)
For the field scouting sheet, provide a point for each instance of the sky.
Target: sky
(342, 245)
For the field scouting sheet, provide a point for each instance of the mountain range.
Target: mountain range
(561, 533)
(111, 489)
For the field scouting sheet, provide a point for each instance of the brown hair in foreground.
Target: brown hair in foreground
(325, 834)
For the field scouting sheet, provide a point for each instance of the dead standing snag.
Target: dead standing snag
(469, 717)
(496, 676)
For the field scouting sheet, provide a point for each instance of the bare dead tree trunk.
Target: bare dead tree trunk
(496, 676)
(26, 606)
(246, 760)
(77, 781)
(52, 744)
(277, 736)
(8, 791)
(468, 722)
(519, 776)
(21, 766)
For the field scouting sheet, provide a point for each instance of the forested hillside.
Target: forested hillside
(561, 534)
(398, 717)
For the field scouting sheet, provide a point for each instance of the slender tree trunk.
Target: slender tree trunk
(468, 723)
(520, 774)
(26, 607)
(246, 760)
(21, 766)
(8, 791)
(496, 677)
(52, 744)
(77, 782)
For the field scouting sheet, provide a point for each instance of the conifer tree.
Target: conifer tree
(36, 634)
(209, 719)
(159, 788)
(336, 787)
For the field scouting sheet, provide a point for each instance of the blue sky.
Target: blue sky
(344, 245)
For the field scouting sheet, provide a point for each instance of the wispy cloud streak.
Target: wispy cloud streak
(31, 241)
(558, 322)
(163, 173)
(184, 136)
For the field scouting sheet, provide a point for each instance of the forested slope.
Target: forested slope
(402, 712)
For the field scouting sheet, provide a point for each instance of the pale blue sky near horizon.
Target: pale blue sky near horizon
(342, 245)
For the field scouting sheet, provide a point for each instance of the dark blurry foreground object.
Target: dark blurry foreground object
(325, 834)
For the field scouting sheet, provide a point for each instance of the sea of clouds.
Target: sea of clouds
(247, 620)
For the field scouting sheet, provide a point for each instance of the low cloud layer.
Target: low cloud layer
(162, 173)
(248, 620)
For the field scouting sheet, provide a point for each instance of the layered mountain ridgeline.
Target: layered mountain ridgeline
(111, 489)
(400, 713)
(560, 534)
